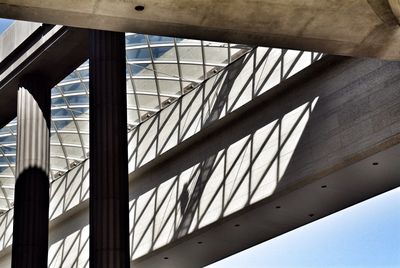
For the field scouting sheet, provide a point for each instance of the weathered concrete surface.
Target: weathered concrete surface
(350, 120)
(354, 123)
(343, 27)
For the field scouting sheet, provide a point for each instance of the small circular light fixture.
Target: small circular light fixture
(165, 258)
(139, 8)
(375, 163)
(311, 215)
(237, 225)
(278, 207)
(324, 186)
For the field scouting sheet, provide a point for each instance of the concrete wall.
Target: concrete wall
(231, 147)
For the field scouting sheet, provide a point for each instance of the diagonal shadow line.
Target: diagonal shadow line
(278, 61)
(193, 176)
(147, 130)
(277, 154)
(296, 60)
(188, 108)
(62, 199)
(57, 250)
(249, 168)
(70, 248)
(78, 188)
(281, 146)
(157, 209)
(216, 84)
(178, 103)
(226, 173)
(81, 248)
(206, 165)
(85, 177)
(78, 173)
(251, 77)
(6, 226)
(136, 221)
(183, 114)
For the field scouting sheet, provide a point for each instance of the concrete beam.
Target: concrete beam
(343, 27)
(351, 126)
(51, 51)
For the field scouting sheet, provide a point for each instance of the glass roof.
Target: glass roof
(158, 71)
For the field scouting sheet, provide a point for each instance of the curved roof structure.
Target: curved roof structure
(159, 70)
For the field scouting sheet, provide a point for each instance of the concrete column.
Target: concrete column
(109, 208)
(31, 201)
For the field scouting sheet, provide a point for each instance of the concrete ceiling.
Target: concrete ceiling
(367, 28)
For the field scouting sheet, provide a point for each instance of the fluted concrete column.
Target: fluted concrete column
(109, 208)
(31, 201)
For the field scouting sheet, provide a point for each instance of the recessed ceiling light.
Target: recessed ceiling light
(165, 258)
(139, 8)
(324, 186)
(375, 163)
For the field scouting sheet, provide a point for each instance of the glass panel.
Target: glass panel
(58, 101)
(135, 39)
(169, 87)
(71, 76)
(149, 102)
(215, 54)
(154, 39)
(84, 73)
(73, 88)
(138, 54)
(8, 139)
(145, 85)
(80, 99)
(57, 113)
(55, 91)
(191, 72)
(192, 54)
(164, 53)
(167, 70)
(83, 125)
(139, 68)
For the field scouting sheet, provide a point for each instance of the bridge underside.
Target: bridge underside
(342, 27)
(263, 142)
(253, 162)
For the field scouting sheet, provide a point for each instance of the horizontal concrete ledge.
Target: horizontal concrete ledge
(278, 214)
(52, 53)
(352, 126)
(342, 27)
(255, 108)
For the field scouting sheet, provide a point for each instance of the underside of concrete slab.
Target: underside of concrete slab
(343, 27)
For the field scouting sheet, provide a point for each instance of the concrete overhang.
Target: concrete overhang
(342, 27)
(52, 52)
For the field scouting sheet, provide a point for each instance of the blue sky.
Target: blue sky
(365, 235)
(4, 23)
